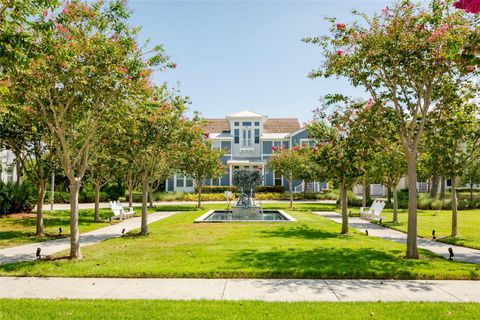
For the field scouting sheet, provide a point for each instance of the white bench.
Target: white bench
(374, 212)
(119, 212)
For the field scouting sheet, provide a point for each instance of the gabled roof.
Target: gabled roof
(246, 114)
(271, 125)
(281, 125)
(216, 125)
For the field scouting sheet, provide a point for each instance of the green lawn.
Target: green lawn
(161, 309)
(309, 248)
(20, 229)
(428, 220)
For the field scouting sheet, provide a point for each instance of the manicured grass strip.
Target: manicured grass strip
(309, 248)
(161, 309)
(20, 229)
(428, 220)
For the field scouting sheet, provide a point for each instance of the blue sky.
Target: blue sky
(234, 55)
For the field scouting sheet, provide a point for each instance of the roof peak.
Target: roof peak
(246, 114)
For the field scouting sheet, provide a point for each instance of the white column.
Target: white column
(230, 174)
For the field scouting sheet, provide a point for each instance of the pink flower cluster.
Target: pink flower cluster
(470, 6)
(274, 148)
(341, 26)
(438, 33)
(207, 135)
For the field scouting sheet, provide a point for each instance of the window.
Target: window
(278, 180)
(247, 124)
(217, 145)
(180, 181)
(237, 136)
(236, 123)
(257, 123)
(308, 142)
(257, 136)
(215, 182)
(277, 144)
(247, 138)
(188, 182)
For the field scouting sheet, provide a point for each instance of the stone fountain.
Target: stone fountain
(246, 181)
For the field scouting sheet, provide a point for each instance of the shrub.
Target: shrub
(114, 191)
(327, 190)
(15, 197)
(270, 189)
(217, 189)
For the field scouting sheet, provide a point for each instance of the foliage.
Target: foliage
(15, 197)
(402, 58)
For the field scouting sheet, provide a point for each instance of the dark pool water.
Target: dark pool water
(224, 215)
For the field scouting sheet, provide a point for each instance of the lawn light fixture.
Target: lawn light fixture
(110, 220)
(123, 232)
(450, 252)
(38, 253)
(59, 232)
(433, 235)
(366, 232)
(380, 221)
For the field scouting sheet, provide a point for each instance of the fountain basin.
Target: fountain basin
(215, 216)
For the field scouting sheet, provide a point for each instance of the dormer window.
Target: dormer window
(257, 123)
(247, 124)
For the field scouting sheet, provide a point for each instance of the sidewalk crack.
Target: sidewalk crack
(333, 291)
(223, 291)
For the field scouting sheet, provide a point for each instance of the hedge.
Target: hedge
(259, 189)
(84, 197)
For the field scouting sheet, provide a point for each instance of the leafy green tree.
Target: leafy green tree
(402, 56)
(456, 137)
(201, 161)
(339, 148)
(86, 62)
(291, 163)
(155, 139)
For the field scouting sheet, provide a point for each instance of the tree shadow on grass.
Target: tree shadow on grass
(302, 232)
(329, 263)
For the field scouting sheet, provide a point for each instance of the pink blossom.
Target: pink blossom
(45, 13)
(340, 52)
(65, 10)
(295, 148)
(341, 26)
(274, 148)
(470, 6)
(370, 102)
(438, 33)
(386, 10)
(207, 134)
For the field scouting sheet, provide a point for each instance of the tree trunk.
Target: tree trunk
(130, 197)
(305, 189)
(144, 228)
(434, 186)
(74, 232)
(344, 205)
(199, 190)
(96, 215)
(150, 196)
(395, 204)
(41, 196)
(389, 194)
(442, 188)
(290, 181)
(364, 193)
(454, 207)
(471, 190)
(412, 248)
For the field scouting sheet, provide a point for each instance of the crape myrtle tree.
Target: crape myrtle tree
(338, 147)
(456, 137)
(201, 161)
(376, 126)
(86, 63)
(289, 163)
(155, 139)
(402, 55)
(24, 132)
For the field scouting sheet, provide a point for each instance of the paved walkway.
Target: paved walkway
(27, 252)
(240, 289)
(375, 230)
(66, 206)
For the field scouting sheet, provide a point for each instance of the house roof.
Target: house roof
(216, 125)
(246, 114)
(281, 125)
(275, 126)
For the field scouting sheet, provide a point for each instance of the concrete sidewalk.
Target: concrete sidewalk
(375, 230)
(240, 289)
(66, 206)
(27, 252)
